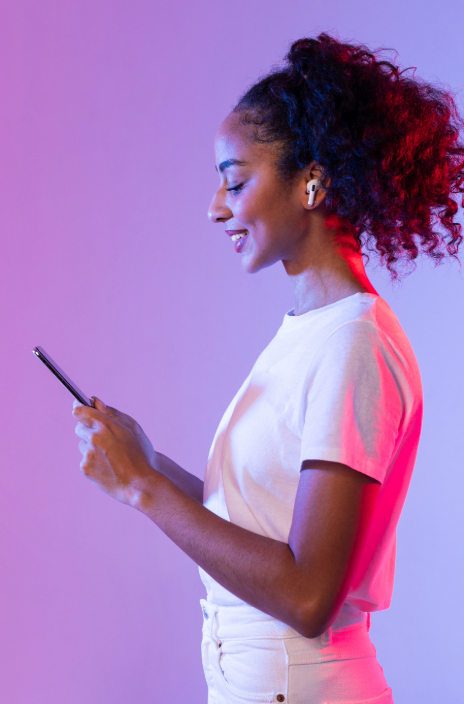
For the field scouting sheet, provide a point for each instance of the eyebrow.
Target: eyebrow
(230, 162)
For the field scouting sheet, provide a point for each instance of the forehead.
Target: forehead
(235, 141)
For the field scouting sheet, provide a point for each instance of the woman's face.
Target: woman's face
(266, 219)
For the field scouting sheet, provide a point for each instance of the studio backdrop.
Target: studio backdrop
(108, 111)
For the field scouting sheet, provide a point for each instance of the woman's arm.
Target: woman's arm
(186, 482)
(303, 583)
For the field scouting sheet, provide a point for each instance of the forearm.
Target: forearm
(183, 480)
(261, 571)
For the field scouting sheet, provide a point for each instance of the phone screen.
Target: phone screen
(61, 376)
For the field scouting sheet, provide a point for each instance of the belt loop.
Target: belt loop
(326, 637)
(210, 616)
(368, 621)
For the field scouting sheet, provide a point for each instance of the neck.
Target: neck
(327, 268)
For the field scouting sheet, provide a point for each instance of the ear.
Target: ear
(313, 172)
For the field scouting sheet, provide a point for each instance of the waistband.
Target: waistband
(239, 622)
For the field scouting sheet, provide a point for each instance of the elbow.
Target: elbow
(310, 629)
(312, 620)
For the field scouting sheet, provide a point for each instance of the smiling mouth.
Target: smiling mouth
(236, 235)
(235, 238)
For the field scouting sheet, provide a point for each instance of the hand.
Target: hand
(132, 424)
(117, 455)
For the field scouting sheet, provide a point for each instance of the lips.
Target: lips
(238, 237)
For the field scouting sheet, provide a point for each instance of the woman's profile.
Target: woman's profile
(294, 526)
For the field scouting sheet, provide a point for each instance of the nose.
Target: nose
(218, 211)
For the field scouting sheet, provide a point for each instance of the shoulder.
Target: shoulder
(369, 323)
(369, 349)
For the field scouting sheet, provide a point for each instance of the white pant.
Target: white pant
(249, 661)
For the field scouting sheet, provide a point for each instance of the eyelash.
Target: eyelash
(235, 189)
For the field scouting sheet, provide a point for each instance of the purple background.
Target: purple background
(108, 111)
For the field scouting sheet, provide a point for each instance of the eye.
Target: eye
(236, 189)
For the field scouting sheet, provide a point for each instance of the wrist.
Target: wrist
(144, 490)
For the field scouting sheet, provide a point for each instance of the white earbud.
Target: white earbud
(311, 188)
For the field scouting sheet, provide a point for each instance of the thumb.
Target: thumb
(99, 405)
(109, 411)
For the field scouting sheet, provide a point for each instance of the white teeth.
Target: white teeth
(239, 236)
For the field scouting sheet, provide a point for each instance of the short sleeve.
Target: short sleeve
(353, 401)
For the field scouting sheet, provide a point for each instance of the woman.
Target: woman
(294, 527)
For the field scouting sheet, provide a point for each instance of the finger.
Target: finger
(98, 404)
(116, 415)
(87, 460)
(87, 415)
(107, 410)
(123, 418)
(84, 432)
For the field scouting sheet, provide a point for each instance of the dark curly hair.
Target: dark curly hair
(388, 144)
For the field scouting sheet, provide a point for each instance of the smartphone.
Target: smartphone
(61, 376)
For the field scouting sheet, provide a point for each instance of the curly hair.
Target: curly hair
(388, 145)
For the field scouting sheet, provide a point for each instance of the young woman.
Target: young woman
(294, 527)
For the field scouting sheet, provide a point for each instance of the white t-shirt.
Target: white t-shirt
(339, 383)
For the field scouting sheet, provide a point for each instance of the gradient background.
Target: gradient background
(108, 112)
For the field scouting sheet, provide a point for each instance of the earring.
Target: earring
(311, 188)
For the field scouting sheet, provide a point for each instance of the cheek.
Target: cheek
(256, 209)
(244, 209)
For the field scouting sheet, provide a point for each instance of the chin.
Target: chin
(251, 266)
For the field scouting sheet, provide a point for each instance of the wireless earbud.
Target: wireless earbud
(311, 188)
